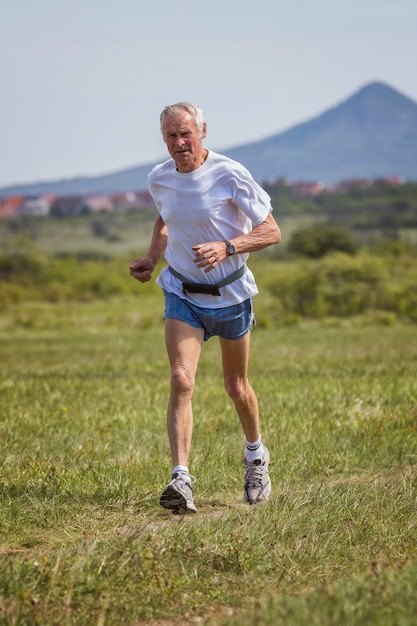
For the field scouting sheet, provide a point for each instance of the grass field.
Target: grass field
(123, 232)
(84, 456)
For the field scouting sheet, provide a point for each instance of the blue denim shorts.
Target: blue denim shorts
(230, 322)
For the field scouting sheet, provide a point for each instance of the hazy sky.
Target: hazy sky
(82, 82)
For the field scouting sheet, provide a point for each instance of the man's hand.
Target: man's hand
(142, 269)
(208, 255)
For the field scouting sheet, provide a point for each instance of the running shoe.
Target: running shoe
(257, 482)
(178, 495)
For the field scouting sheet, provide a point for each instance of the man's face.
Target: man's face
(183, 141)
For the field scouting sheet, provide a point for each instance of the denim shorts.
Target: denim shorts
(230, 322)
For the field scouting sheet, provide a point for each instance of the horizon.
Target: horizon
(165, 156)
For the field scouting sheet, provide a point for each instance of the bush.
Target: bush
(316, 241)
(296, 291)
(349, 285)
(24, 264)
(338, 286)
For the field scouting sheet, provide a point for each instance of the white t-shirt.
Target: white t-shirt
(218, 201)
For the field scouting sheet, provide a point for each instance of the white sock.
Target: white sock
(180, 468)
(254, 450)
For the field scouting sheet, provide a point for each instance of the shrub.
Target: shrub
(316, 241)
(338, 285)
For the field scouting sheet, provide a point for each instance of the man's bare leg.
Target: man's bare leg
(183, 344)
(235, 355)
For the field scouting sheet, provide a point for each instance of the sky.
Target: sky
(82, 82)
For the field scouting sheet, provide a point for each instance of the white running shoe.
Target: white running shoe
(178, 495)
(257, 487)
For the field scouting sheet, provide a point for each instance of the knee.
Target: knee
(236, 389)
(182, 381)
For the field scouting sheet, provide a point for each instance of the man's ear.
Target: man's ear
(204, 131)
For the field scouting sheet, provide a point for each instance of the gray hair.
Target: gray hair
(193, 109)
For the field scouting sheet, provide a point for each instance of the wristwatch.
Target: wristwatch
(230, 249)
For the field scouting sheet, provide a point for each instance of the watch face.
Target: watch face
(230, 249)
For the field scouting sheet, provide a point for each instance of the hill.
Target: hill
(372, 134)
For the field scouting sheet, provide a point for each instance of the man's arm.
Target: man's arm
(210, 254)
(142, 269)
(262, 236)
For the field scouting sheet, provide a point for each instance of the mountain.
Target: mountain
(372, 134)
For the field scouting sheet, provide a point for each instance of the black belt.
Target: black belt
(212, 290)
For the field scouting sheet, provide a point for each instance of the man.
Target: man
(211, 215)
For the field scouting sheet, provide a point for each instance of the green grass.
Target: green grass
(84, 456)
(120, 233)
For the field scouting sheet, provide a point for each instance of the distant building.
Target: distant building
(355, 184)
(10, 206)
(96, 204)
(65, 206)
(70, 206)
(132, 200)
(306, 189)
(37, 206)
(395, 181)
